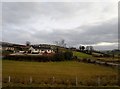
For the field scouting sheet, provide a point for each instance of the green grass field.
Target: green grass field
(0, 73)
(81, 55)
(42, 72)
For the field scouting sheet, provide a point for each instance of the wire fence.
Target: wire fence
(98, 81)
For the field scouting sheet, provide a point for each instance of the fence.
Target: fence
(98, 81)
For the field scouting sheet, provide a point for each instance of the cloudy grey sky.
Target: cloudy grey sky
(79, 23)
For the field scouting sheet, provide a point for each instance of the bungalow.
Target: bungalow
(38, 49)
(12, 47)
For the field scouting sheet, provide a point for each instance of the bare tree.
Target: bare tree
(89, 49)
(80, 47)
(28, 43)
(61, 43)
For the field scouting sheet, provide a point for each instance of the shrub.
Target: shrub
(59, 57)
(7, 52)
(28, 58)
(68, 55)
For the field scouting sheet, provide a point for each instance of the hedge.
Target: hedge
(61, 56)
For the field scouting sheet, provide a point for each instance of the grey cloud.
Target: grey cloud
(105, 32)
(19, 24)
(16, 13)
(19, 12)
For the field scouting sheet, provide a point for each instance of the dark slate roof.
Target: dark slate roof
(41, 47)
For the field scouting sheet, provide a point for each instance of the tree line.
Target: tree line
(87, 49)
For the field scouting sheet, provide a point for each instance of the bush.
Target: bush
(28, 58)
(68, 55)
(61, 56)
(7, 52)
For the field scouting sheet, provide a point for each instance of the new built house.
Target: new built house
(40, 49)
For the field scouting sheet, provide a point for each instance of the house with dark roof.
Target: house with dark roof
(40, 49)
(9, 47)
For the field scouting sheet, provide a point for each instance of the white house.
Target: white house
(41, 49)
(33, 50)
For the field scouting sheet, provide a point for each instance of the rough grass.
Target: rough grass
(64, 72)
(0, 73)
(81, 55)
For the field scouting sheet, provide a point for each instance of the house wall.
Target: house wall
(41, 51)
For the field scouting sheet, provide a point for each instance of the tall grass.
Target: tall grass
(64, 73)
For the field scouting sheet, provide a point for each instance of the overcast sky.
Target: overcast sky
(78, 23)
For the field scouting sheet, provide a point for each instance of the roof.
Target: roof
(41, 47)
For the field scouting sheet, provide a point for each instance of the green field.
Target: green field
(0, 73)
(64, 72)
(81, 55)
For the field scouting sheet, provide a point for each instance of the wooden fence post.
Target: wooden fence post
(98, 81)
(31, 79)
(53, 80)
(9, 79)
(76, 81)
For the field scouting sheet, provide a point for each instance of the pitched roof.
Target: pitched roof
(41, 47)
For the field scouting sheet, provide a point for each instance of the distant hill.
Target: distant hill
(115, 52)
(9, 44)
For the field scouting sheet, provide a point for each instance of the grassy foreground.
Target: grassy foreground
(63, 73)
(0, 73)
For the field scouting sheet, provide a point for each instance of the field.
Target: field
(0, 73)
(81, 55)
(57, 73)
